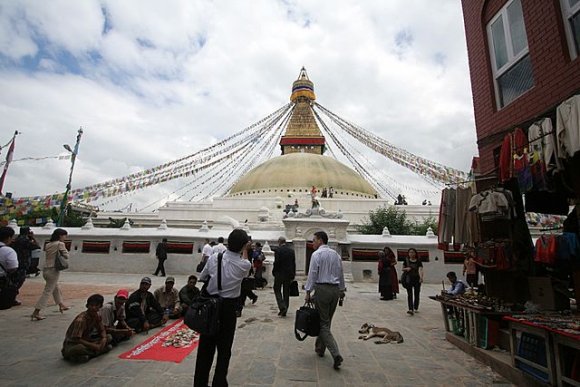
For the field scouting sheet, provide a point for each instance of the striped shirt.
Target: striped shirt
(325, 268)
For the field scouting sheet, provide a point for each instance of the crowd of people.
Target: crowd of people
(413, 274)
(103, 325)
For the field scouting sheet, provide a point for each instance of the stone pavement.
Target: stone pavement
(265, 352)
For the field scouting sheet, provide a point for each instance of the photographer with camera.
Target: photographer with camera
(326, 278)
(234, 268)
(24, 245)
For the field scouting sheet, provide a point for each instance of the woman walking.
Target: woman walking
(384, 270)
(414, 269)
(51, 275)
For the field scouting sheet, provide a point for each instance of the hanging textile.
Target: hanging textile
(568, 127)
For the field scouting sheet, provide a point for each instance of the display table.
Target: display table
(544, 347)
(479, 325)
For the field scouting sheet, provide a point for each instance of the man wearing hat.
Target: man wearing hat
(167, 296)
(143, 310)
(114, 318)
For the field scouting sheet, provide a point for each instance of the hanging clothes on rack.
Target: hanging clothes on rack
(447, 216)
(546, 249)
(568, 127)
(462, 198)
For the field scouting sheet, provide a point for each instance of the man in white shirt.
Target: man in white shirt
(8, 266)
(207, 251)
(220, 248)
(326, 278)
(234, 269)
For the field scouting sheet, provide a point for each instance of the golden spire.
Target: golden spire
(302, 133)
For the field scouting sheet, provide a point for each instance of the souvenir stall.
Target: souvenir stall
(522, 289)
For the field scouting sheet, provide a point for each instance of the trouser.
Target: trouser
(51, 276)
(222, 341)
(471, 279)
(413, 292)
(244, 294)
(21, 276)
(153, 318)
(282, 293)
(160, 267)
(33, 268)
(7, 297)
(77, 352)
(325, 300)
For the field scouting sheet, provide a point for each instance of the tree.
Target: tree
(396, 221)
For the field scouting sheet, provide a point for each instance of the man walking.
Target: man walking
(283, 271)
(161, 253)
(234, 269)
(326, 278)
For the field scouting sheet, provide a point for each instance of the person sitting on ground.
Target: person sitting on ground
(168, 297)
(113, 316)
(457, 286)
(86, 336)
(188, 293)
(143, 310)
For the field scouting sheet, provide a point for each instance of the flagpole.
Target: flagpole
(8, 160)
(74, 152)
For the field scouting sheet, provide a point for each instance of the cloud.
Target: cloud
(152, 81)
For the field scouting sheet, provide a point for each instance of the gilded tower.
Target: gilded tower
(302, 134)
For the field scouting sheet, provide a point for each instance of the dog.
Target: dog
(388, 336)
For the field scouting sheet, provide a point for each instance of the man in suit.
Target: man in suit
(283, 271)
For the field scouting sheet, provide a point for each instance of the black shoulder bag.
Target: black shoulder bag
(203, 316)
(307, 322)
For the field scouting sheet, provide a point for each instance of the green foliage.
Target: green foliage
(396, 221)
(421, 228)
(118, 223)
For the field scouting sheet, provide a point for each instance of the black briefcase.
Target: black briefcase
(307, 322)
(294, 289)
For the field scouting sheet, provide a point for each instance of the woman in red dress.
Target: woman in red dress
(394, 277)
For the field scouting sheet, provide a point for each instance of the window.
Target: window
(512, 67)
(571, 14)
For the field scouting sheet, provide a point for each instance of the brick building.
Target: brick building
(524, 60)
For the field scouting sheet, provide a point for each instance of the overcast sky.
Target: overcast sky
(152, 81)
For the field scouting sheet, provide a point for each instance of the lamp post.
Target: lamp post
(74, 152)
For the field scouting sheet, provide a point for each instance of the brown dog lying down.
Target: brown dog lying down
(387, 335)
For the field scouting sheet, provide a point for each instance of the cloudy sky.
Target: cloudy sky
(152, 81)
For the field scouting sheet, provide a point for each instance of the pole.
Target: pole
(63, 203)
(8, 160)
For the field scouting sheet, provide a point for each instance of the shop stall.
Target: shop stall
(522, 288)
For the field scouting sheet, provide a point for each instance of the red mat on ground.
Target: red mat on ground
(173, 343)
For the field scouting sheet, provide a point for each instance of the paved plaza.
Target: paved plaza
(265, 351)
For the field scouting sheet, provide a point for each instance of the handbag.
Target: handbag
(60, 262)
(203, 315)
(294, 289)
(307, 321)
(200, 266)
